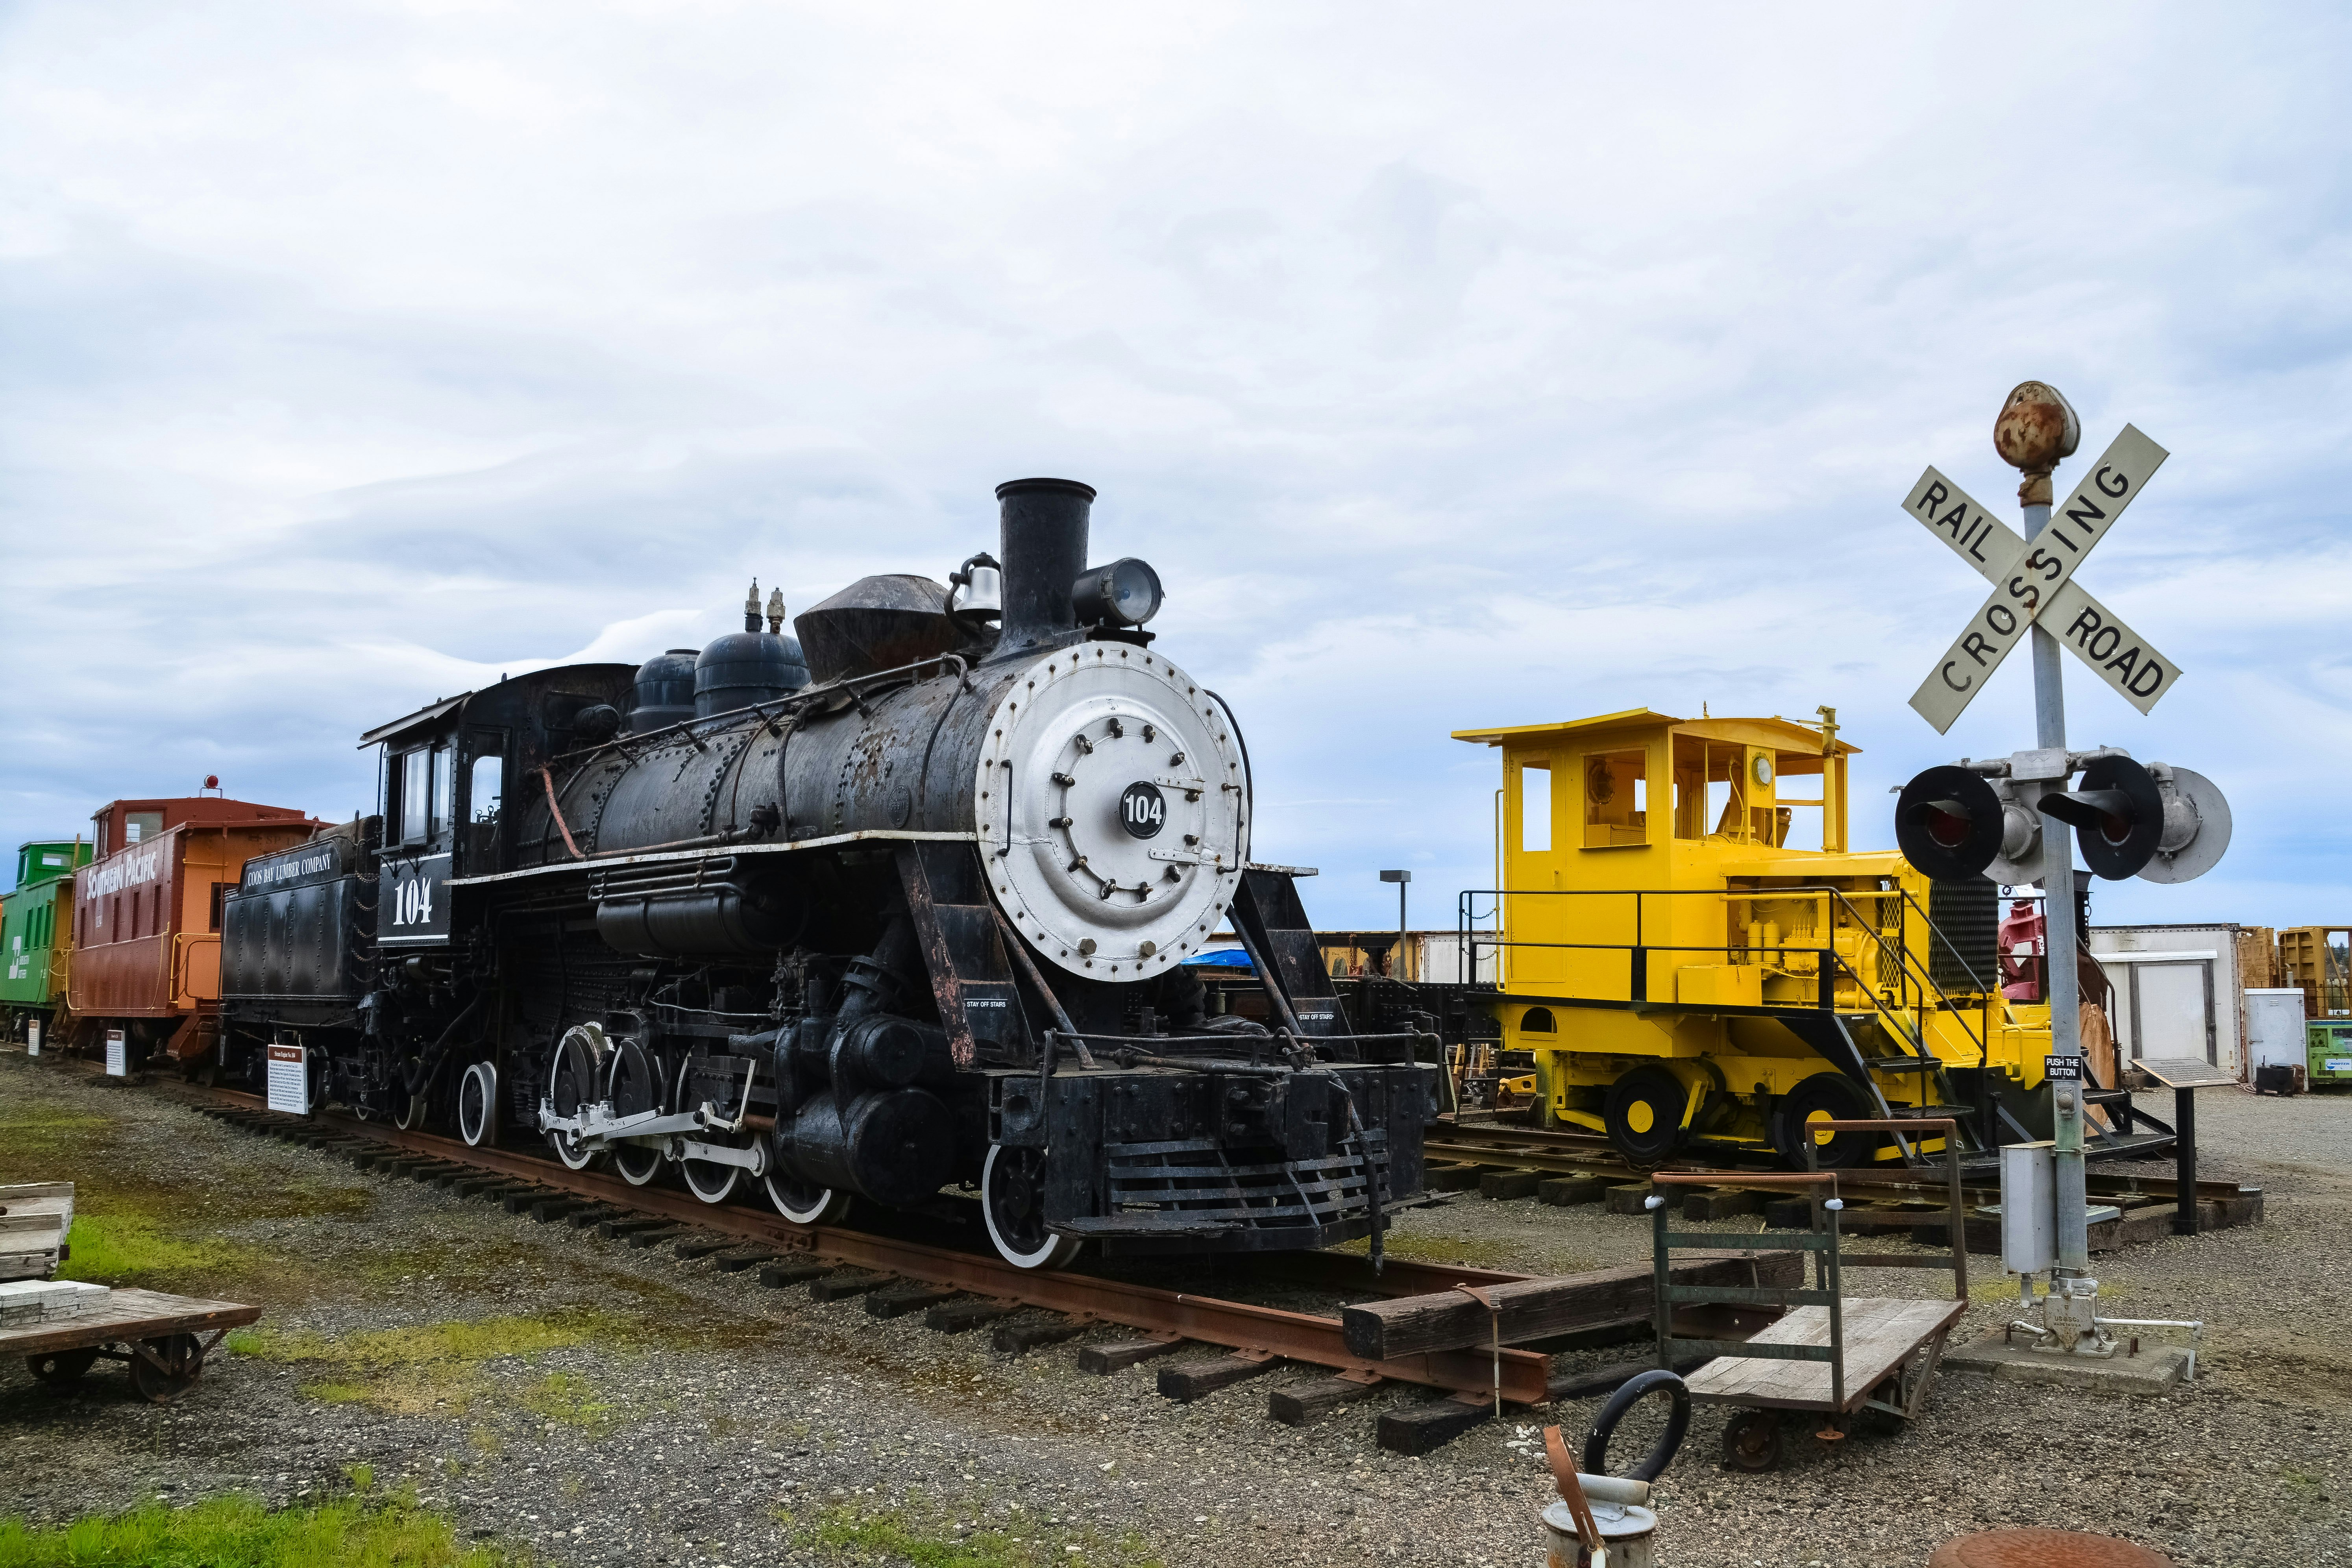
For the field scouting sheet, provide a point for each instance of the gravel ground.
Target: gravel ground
(612, 1405)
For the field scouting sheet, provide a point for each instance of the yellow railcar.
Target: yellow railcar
(1693, 952)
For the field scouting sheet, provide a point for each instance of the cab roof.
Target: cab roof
(1772, 732)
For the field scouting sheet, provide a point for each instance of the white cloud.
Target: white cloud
(1520, 363)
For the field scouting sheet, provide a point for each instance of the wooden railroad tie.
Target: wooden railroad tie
(1567, 1191)
(1188, 1381)
(791, 1271)
(1020, 1335)
(1424, 1428)
(1507, 1185)
(629, 1224)
(962, 1317)
(1297, 1403)
(704, 1245)
(642, 1239)
(907, 1297)
(737, 1260)
(843, 1283)
(1101, 1361)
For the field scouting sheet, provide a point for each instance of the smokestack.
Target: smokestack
(1045, 524)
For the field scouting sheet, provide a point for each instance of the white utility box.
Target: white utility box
(2274, 1032)
(2029, 1207)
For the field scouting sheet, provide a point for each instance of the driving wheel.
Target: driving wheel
(1013, 1198)
(804, 1205)
(573, 1082)
(181, 1359)
(478, 1105)
(635, 1087)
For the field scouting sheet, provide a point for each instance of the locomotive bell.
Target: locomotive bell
(978, 589)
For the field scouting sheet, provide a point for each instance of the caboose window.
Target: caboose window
(415, 797)
(1535, 805)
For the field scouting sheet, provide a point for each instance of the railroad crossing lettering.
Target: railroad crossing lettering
(2029, 576)
(2127, 662)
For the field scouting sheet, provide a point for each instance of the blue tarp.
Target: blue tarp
(1222, 958)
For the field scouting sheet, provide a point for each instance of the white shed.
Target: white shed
(2177, 992)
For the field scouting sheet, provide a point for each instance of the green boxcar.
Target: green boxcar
(37, 932)
(2330, 1040)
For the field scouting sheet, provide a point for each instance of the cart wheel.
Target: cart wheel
(184, 1362)
(1751, 1440)
(61, 1368)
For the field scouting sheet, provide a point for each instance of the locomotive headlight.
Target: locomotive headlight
(1125, 592)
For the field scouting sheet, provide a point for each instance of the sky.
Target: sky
(1455, 366)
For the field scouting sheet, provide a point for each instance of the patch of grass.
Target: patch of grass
(40, 1129)
(571, 1399)
(928, 1538)
(1470, 1252)
(440, 1365)
(238, 1531)
(126, 1248)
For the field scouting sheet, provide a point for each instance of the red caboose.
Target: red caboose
(147, 919)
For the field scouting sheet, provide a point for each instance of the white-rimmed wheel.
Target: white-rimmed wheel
(575, 1077)
(634, 1084)
(707, 1179)
(804, 1205)
(410, 1113)
(477, 1104)
(1013, 1198)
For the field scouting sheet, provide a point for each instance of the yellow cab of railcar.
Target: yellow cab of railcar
(1692, 952)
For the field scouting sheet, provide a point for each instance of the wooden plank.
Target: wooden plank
(1880, 1334)
(128, 1314)
(1534, 1309)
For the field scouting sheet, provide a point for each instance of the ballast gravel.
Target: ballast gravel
(708, 1420)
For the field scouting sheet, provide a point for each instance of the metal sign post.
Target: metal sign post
(2034, 594)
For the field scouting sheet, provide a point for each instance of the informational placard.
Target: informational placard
(290, 1078)
(118, 1055)
(32, 1036)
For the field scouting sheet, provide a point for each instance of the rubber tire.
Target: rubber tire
(1630, 1392)
(1751, 1441)
(61, 1369)
(1662, 1092)
(1836, 1094)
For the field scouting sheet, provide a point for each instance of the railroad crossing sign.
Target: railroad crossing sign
(2033, 583)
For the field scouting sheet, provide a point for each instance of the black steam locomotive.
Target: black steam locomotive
(901, 904)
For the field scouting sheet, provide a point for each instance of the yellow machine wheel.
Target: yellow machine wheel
(1645, 1115)
(1824, 1097)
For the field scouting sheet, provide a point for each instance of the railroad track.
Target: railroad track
(1502, 1160)
(957, 1291)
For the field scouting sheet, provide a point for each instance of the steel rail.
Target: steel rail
(1522, 1375)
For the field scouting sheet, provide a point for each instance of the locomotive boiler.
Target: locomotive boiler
(897, 905)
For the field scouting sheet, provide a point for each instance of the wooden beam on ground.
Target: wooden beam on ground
(1534, 1309)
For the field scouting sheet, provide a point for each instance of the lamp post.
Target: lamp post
(1399, 878)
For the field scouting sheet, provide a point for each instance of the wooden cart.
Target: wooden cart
(1833, 1354)
(164, 1338)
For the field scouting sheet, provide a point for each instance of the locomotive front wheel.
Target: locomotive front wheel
(411, 1115)
(478, 1105)
(181, 1359)
(1013, 1198)
(804, 1205)
(1645, 1115)
(61, 1368)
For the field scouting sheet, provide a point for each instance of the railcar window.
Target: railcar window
(141, 826)
(415, 796)
(1616, 799)
(486, 785)
(485, 790)
(220, 890)
(1535, 804)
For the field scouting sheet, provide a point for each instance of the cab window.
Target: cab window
(1616, 799)
(415, 797)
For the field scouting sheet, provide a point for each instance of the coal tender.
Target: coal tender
(898, 905)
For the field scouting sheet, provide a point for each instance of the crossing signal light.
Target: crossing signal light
(2116, 812)
(1948, 824)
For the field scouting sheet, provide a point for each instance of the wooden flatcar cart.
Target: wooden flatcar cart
(164, 1338)
(1832, 1354)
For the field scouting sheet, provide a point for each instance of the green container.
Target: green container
(2330, 1040)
